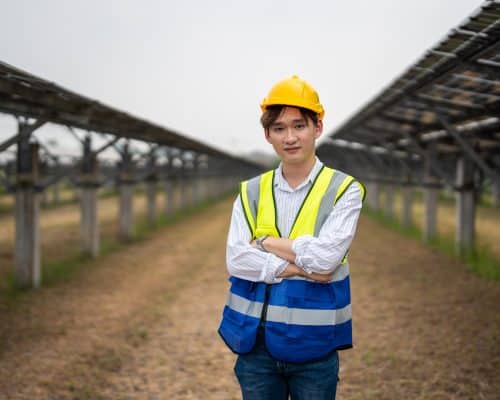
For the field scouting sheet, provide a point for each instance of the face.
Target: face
(293, 137)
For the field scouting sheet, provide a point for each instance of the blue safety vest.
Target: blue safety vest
(302, 320)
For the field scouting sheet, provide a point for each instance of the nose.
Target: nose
(290, 136)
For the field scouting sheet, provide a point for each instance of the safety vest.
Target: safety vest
(303, 320)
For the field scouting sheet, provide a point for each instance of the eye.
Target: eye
(300, 126)
(277, 129)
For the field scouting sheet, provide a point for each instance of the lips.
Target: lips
(291, 149)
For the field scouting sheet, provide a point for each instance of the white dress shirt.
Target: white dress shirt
(320, 254)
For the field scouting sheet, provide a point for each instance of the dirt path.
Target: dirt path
(141, 324)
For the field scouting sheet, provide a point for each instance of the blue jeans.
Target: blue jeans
(263, 378)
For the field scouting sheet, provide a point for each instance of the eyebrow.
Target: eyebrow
(295, 121)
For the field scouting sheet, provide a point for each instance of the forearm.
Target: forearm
(246, 262)
(280, 247)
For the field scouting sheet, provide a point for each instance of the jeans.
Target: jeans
(263, 378)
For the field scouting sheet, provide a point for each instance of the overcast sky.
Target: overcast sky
(202, 67)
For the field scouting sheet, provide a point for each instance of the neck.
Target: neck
(295, 174)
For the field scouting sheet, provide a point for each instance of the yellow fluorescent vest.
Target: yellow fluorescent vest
(303, 320)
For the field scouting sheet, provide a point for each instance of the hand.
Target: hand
(321, 278)
(291, 270)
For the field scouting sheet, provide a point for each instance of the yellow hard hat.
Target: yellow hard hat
(296, 92)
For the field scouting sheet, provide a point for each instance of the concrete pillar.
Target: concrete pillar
(126, 193)
(406, 206)
(184, 189)
(169, 196)
(389, 200)
(89, 226)
(465, 206)
(375, 195)
(495, 194)
(151, 200)
(55, 193)
(88, 187)
(27, 248)
(151, 186)
(431, 192)
(44, 198)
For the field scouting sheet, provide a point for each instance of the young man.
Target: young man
(289, 308)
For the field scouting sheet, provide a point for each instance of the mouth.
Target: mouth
(291, 150)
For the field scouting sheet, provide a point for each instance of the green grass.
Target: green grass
(480, 261)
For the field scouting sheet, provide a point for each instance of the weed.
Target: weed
(480, 261)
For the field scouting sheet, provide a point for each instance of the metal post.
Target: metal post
(375, 199)
(88, 185)
(406, 217)
(466, 206)
(126, 192)
(151, 184)
(27, 209)
(389, 200)
(430, 197)
(495, 194)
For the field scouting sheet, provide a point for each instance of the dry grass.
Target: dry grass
(141, 323)
(487, 221)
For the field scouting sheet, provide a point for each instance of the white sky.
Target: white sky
(202, 67)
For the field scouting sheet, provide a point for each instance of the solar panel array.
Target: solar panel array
(446, 102)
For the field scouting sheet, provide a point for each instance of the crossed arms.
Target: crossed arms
(282, 247)
(313, 257)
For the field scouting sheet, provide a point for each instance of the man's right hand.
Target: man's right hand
(293, 270)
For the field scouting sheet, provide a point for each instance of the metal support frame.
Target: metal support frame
(89, 184)
(151, 184)
(468, 150)
(466, 206)
(27, 208)
(126, 193)
(433, 164)
(430, 197)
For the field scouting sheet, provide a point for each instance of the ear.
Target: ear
(266, 134)
(319, 129)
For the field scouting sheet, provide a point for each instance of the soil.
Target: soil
(141, 323)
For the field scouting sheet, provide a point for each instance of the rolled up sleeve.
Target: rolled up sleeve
(245, 261)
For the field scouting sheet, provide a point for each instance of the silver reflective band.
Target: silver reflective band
(340, 274)
(303, 316)
(244, 306)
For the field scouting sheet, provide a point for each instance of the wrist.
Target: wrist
(259, 242)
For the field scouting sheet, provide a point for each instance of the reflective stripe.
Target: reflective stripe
(343, 187)
(341, 272)
(326, 205)
(363, 190)
(303, 316)
(246, 206)
(244, 306)
(253, 190)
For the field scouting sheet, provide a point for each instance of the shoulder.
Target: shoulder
(256, 179)
(346, 185)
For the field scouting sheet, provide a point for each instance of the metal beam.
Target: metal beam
(107, 145)
(434, 165)
(9, 142)
(468, 150)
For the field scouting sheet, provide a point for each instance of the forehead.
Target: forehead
(289, 114)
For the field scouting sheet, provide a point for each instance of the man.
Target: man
(289, 309)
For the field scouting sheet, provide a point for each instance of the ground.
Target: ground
(141, 322)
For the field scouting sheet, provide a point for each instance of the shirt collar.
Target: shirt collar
(281, 183)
